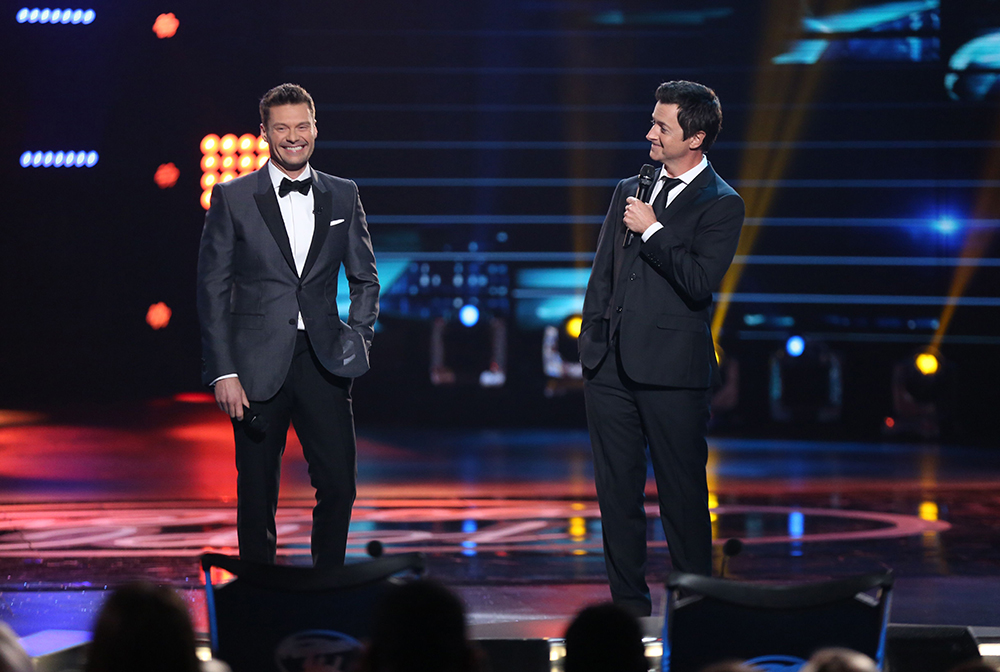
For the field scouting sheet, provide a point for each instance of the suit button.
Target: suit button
(292, 322)
(618, 309)
(632, 277)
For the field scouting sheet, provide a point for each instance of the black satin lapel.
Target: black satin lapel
(267, 203)
(322, 209)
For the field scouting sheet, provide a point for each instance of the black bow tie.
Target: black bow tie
(301, 186)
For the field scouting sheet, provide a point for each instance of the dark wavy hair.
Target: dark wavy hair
(698, 109)
(285, 94)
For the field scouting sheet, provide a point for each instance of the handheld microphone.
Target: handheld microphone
(646, 175)
(730, 549)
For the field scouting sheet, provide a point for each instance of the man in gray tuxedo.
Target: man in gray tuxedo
(274, 347)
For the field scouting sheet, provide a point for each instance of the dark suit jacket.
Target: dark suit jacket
(249, 293)
(658, 293)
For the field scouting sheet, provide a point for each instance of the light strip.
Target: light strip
(71, 159)
(53, 16)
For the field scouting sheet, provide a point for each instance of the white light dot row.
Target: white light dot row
(64, 16)
(59, 159)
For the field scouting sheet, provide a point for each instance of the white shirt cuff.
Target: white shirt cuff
(228, 375)
(653, 228)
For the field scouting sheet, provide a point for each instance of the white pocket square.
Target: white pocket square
(334, 222)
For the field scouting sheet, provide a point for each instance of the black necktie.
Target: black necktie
(660, 202)
(301, 186)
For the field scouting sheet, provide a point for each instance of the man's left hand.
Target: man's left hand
(639, 216)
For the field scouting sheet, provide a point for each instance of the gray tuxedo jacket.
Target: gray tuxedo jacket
(249, 293)
(657, 295)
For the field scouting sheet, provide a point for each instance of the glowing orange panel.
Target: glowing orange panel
(210, 162)
(166, 175)
(210, 144)
(228, 144)
(247, 143)
(208, 180)
(228, 162)
(247, 162)
(227, 176)
(158, 315)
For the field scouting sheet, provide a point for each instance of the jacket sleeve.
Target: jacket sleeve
(215, 282)
(599, 286)
(359, 267)
(695, 270)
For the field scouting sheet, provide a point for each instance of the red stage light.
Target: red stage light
(890, 423)
(194, 398)
(208, 180)
(166, 25)
(158, 315)
(210, 144)
(247, 162)
(166, 175)
(228, 162)
(227, 176)
(206, 198)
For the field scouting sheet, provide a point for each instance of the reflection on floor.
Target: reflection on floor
(93, 497)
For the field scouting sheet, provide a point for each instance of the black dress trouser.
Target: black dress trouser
(624, 418)
(318, 404)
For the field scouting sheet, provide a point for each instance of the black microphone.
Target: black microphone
(646, 175)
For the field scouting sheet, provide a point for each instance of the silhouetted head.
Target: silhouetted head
(143, 627)
(839, 660)
(604, 638)
(420, 627)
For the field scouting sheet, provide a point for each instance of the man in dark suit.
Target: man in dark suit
(646, 346)
(274, 347)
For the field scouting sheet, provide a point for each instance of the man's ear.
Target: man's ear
(694, 142)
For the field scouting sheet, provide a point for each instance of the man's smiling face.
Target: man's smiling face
(291, 136)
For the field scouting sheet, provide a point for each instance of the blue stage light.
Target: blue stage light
(796, 524)
(468, 315)
(946, 225)
(795, 346)
(57, 159)
(54, 16)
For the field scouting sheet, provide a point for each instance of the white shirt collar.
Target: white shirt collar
(277, 175)
(688, 176)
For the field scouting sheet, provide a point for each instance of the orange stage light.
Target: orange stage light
(206, 198)
(227, 176)
(247, 143)
(247, 162)
(228, 162)
(210, 144)
(166, 175)
(228, 144)
(158, 315)
(261, 160)
(210, 162)
(194, 398)
(262, 145)
(208, 180)
(166, 25)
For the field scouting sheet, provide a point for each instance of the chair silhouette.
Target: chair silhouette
(273, 618)
(709, 620)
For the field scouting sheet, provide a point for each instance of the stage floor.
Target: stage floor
(93, 496)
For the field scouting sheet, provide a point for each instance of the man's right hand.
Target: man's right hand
(231, 398)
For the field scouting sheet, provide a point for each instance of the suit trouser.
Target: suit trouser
(624, 417)
(318, 403)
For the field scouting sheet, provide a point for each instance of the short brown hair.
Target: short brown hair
(698, 109)
(285, 94)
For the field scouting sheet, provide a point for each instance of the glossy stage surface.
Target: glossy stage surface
(96, 496)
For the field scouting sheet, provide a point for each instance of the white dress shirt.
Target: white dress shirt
(297, 213)
(685, 178)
